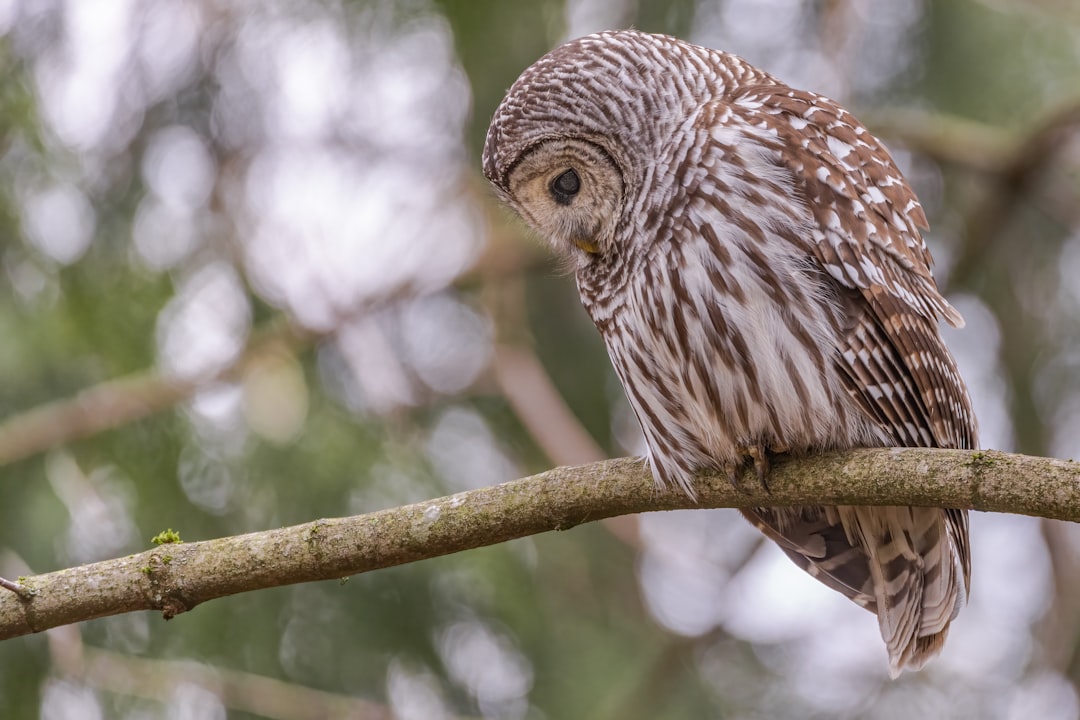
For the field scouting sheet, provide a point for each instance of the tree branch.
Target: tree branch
(946, 138)
(175, 578)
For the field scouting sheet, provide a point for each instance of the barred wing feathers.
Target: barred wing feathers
(905, 564)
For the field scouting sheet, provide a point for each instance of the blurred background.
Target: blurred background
(251, 276)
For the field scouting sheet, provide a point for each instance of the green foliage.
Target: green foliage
(166, 537)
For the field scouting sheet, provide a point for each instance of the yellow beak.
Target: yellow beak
(587, 245)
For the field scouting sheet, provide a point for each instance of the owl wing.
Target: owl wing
(867, 239)
(905, 564)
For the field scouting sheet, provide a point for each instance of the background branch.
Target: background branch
(175, 578)
(115, 403)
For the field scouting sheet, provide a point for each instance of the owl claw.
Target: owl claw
(734, 472)
(734, 469)
(760, 456)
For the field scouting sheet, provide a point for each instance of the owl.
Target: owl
(752, 257)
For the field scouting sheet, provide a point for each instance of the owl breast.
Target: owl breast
(724, 331)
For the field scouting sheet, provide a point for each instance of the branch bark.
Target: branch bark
(177, 577)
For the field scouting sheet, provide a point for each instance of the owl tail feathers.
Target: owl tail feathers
(917, 578)
(900, 563)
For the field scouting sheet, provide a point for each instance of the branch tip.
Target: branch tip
(19, 589)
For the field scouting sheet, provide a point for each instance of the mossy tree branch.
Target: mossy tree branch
(174, 578)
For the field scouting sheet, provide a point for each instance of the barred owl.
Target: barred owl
(752, 257)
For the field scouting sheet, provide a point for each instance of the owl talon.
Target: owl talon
(761, 464)
(733, 471)
(760, 456)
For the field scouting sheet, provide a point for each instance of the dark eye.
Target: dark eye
(565, 187)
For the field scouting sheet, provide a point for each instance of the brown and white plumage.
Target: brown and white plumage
(752, 258)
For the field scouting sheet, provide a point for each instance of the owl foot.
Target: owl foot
(760, 456)
(756, 453)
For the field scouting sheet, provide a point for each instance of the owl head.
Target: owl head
(585, 130)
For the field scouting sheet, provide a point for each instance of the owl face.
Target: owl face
(570, 144)
(575, 144)
(571, 193)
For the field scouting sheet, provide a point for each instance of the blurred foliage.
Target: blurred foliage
(179, 179)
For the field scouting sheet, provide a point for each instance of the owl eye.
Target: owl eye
(565, 187)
